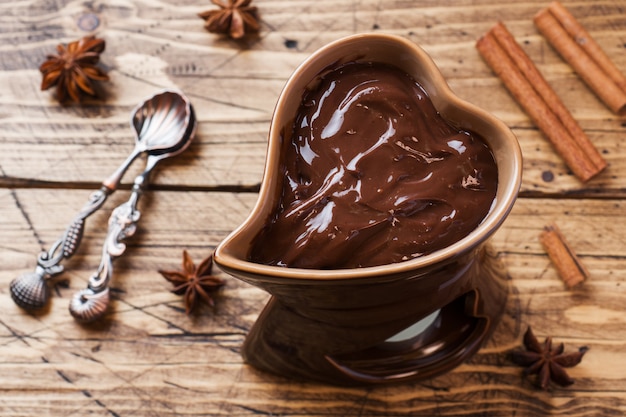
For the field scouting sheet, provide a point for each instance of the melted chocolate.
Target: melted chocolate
(373, 175)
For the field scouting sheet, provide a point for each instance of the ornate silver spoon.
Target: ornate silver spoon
(30, 290)
(172, 119)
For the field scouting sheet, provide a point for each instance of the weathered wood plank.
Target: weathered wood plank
(234, 89)
(148, 358)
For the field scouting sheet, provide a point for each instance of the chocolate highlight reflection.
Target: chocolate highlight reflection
(390, 315)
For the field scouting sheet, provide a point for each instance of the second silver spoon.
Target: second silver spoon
(91, 303)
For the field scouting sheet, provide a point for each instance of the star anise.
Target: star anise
(234, 18)
(195, 283)
(73, 69)
(546, 361)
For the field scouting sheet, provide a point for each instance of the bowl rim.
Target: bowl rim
(503, 203)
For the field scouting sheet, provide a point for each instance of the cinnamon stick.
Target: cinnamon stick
(582, 52)
(565, 260)
(530, 89)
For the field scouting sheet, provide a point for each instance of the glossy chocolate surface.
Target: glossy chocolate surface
(373, 175)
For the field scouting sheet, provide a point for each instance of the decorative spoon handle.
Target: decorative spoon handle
(91, 303)
(29, 290)
(69, 242)
(66, 246)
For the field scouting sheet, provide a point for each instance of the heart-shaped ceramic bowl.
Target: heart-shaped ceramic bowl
(412, 319)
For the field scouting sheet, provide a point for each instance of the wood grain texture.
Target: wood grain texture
(147, 358)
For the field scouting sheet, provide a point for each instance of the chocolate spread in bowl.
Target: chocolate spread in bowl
(373, 175)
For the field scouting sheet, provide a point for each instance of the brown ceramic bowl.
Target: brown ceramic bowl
(407, 320)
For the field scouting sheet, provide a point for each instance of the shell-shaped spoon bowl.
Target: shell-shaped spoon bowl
(162, 123)
(30, 291)
(87, 305)
(405, 320)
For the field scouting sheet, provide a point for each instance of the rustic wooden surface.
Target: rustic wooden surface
(147, 358)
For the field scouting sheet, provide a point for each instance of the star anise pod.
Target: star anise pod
(196, 283)
(234, 18)
(546, 361)
(73, 69)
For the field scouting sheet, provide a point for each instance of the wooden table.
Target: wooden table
(147, 358)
